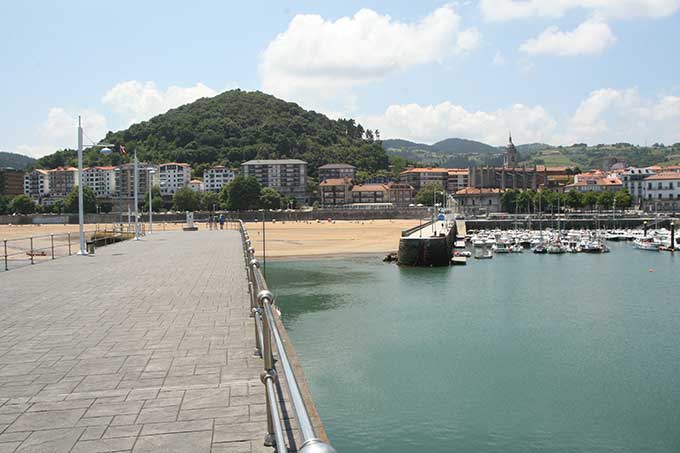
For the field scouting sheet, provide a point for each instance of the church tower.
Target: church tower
(510, 158)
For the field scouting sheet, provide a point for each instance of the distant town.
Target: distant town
(475, 190)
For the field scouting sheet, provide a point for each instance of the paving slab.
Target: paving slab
(145, 346)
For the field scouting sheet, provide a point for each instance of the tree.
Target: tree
(590, 199)
(210, 201)
(4, 204)
(22, 204)
(89, 201)
(574, 199)
(606, 199)
(270, 198)
(186, 199)
(427, 195)
(623, 199)
(156, 200)
(243, 193)
(524, 200)
(508, 200)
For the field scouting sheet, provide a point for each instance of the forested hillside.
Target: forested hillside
(14, 160)
(236, 126)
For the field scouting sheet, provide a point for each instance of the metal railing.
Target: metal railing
(18, 252)
(266, 330)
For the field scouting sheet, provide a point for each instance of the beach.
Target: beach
(284, 239)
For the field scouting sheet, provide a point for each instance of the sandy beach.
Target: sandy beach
(284, 239)
(290, 239)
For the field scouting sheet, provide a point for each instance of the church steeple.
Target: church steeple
(510, 157)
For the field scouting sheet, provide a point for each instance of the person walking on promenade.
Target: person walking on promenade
(210, 221)
(221, 221)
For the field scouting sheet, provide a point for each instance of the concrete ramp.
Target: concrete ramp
(461, 228)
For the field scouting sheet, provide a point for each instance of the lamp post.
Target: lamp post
(149, 172)
(81, 210)
(136, 198)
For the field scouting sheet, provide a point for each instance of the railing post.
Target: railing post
(52, 241)
(32, 250)
(69, 244)
(5, 242)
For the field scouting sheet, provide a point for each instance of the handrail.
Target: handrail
(266, 328)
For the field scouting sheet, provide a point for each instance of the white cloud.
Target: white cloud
(138, 101)
(605, 116)
(318, 62)
(60, 130)
(498, 59)
(132, 101)
(431, 123)
(503, 10)
(611, 115)
(589, 38)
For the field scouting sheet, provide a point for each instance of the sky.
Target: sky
(551, 71)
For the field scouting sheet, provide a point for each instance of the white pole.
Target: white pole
(81, 212)
(136, 198)
(148, 172)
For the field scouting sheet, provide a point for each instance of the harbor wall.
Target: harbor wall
(426, 251)
(569, 223)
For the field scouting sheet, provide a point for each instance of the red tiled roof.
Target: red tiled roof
(336, 182)
(477, 191)
(370, 188)
(664, 176)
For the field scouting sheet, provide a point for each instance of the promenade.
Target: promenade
(146, 346)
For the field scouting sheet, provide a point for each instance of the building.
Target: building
(511, 156)
(336, 171)
(400, 194)
(421, 177)
(507, 178)
(196, 185)
(474, 201)
(62, 180)
(173, 176)
(335, 192)
(125, 180)
(595, 181)
(286, 176)
(102, 181)
(37, 184)
(11, 182)
(633, 181)
(217, 177)
(458, 179)
(370, 193)
(662, 192)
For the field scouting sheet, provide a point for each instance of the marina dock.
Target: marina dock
(146, 346)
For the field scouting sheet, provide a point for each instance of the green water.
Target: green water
(570, 353)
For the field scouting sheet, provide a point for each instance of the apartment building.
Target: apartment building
(421, 177)
(196, 185)
(335, 192)
(336, 171)
(173, 176)
(11, 181)
(217, 177)
(125, 180)
(62, 180)
(458, 179)
(370, 193)
(287, 176)
(400, 194)
(662, 192)
(37, 184)
(102, 181)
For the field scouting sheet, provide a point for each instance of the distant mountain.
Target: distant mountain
(448, 147)
(463, 146)
(14, 160)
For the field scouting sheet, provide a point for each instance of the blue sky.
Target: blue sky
(553, 71)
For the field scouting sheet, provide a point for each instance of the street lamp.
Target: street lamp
(150, 171)
(81, 210)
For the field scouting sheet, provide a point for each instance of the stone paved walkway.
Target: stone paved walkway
(146, 346)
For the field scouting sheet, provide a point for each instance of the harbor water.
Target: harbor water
(524, 352)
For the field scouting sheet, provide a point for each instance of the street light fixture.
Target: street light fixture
(150, 171)
(81, 210)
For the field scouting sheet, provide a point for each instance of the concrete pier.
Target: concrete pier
(428, 245)
(147, 346)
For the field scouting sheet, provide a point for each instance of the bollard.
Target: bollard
(6, 268)
(52, 241)
(31, 249)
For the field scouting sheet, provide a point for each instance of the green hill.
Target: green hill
(14, 160)
(237, 126)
